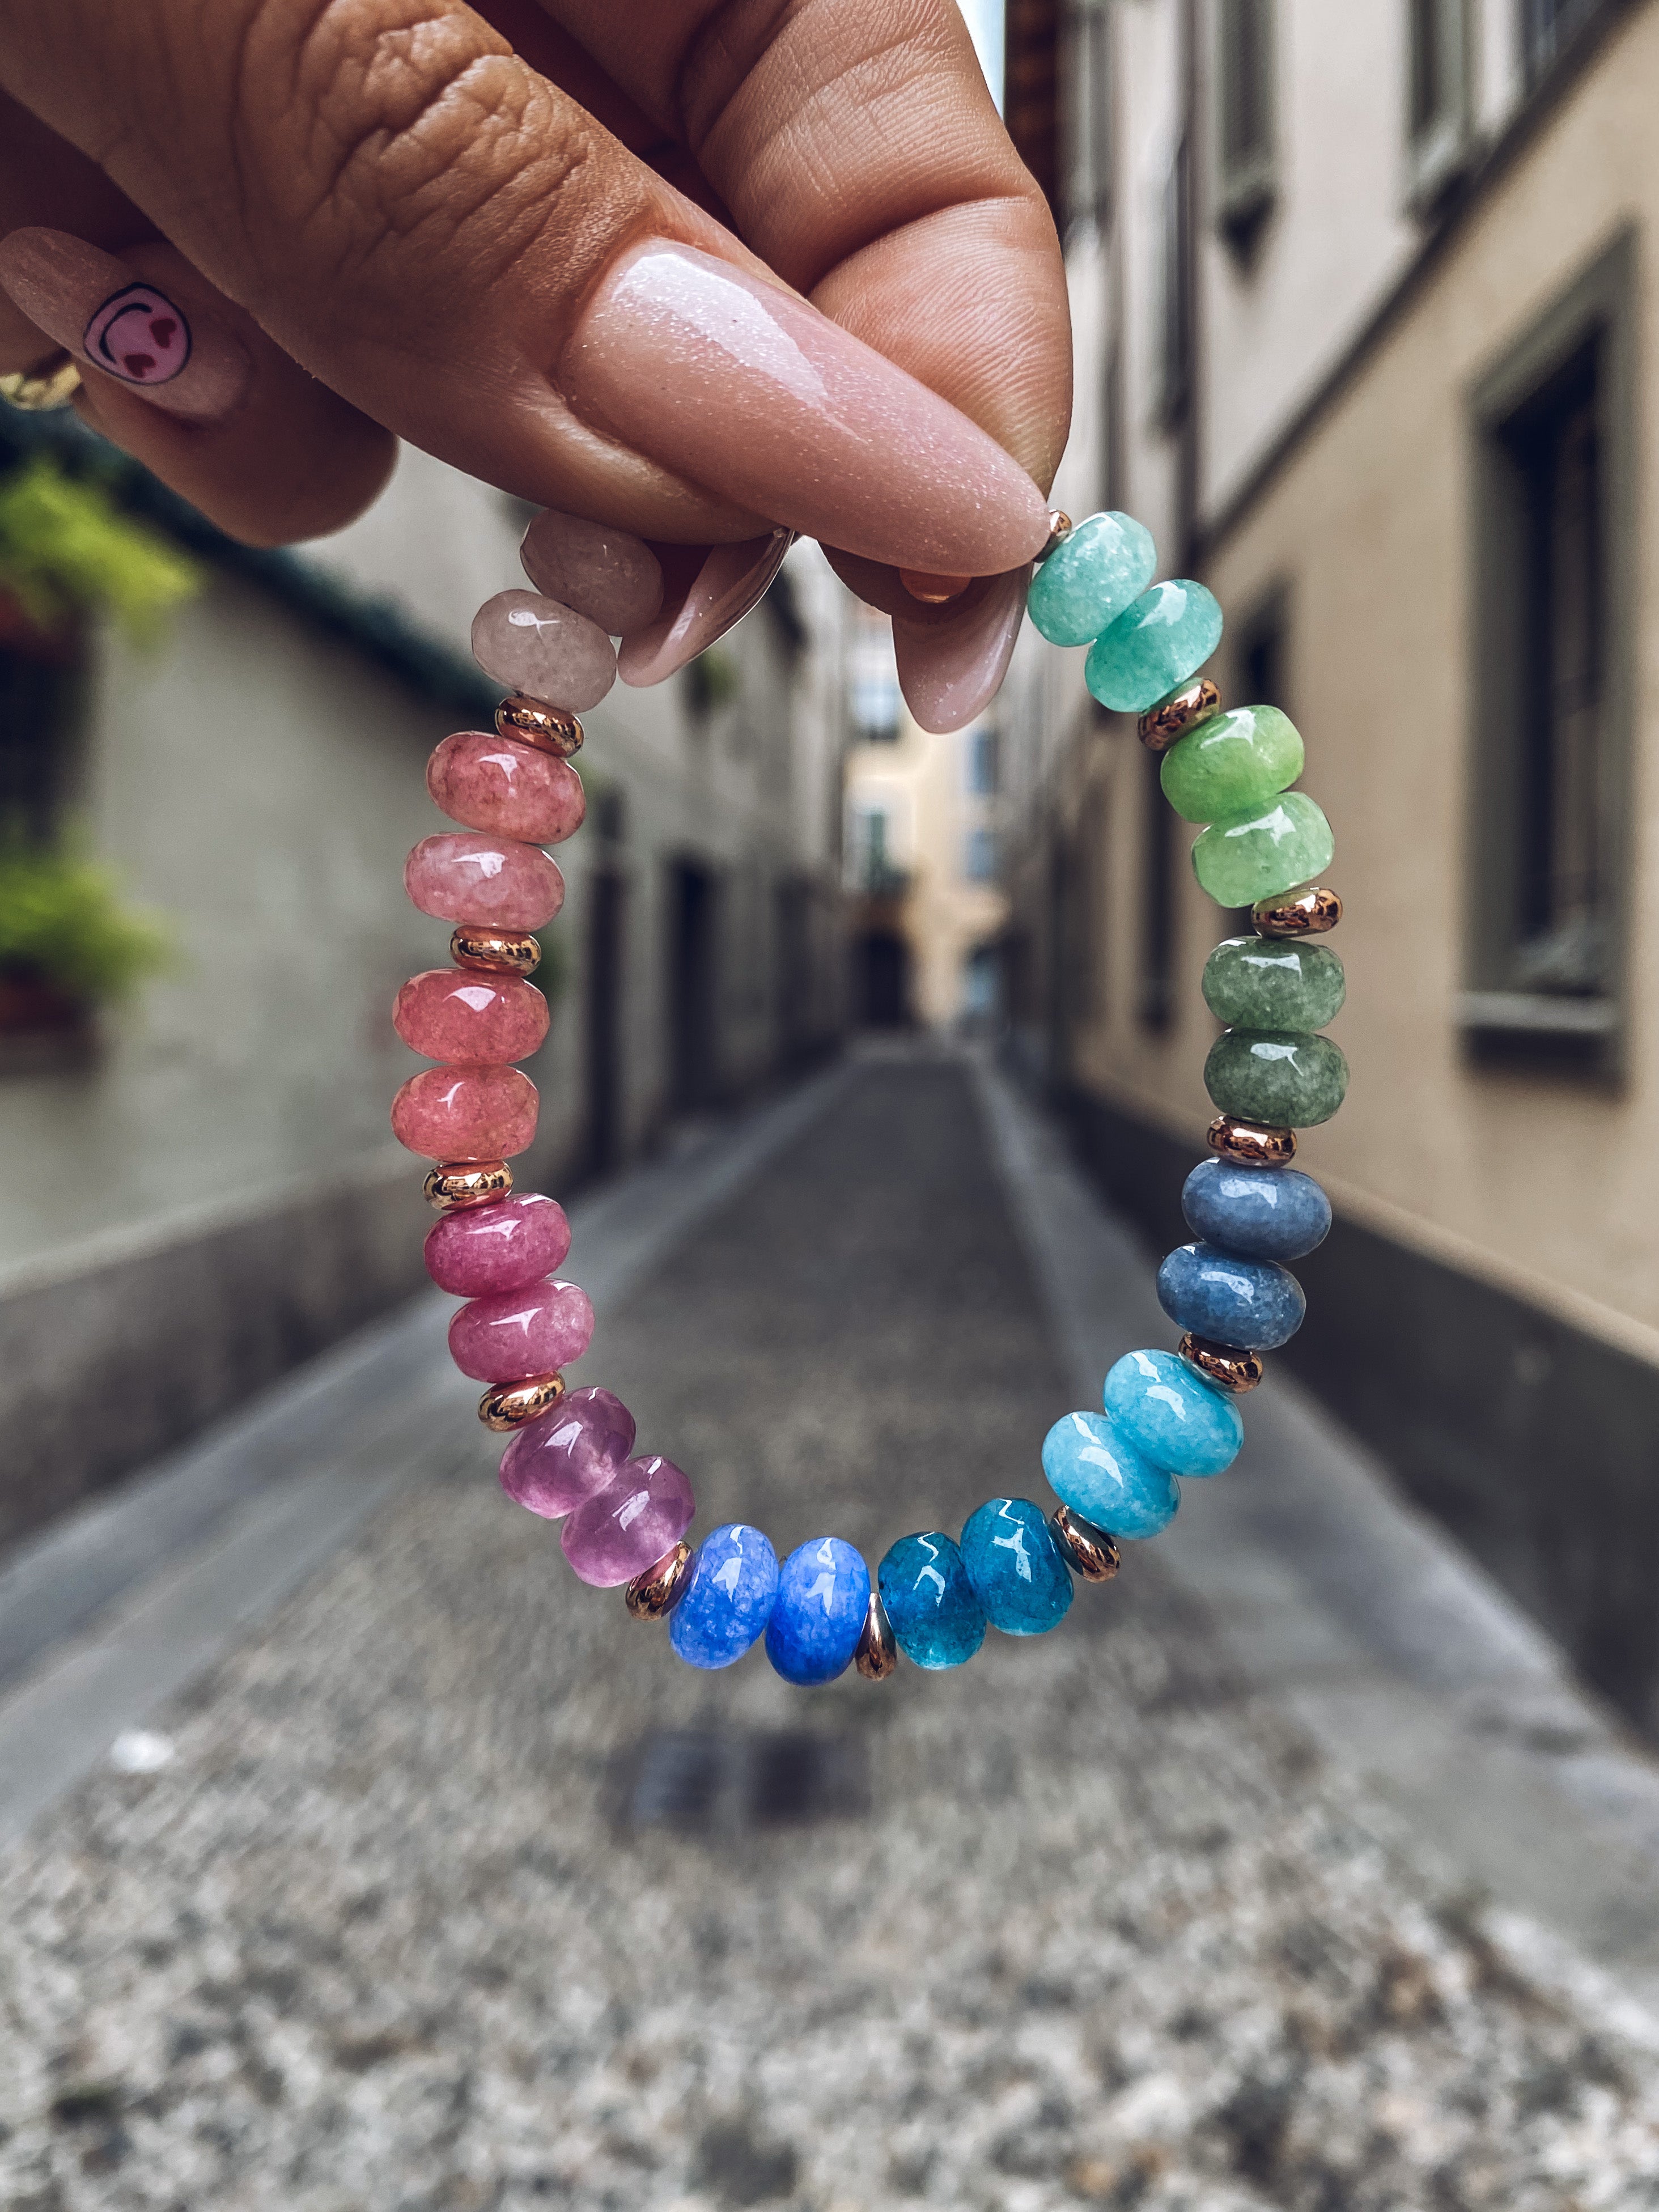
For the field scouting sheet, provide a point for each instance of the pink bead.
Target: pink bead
(462, 1014)
(498, 1248)
(549, 651)
(646, 1507)
(513, 1333)
(512, 790)
(570, 1455)
(459, 876)
(465, 1114)
(613, 579)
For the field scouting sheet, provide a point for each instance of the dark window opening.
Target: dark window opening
(1548, 28)
(1156, 1007)
(1247, 118)
(1437, 109)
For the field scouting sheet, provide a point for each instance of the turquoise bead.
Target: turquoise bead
(1170, 1416)
(1093, 1471)
(1273, 983)
(1289, 843)
(1282, 1077)
(1091, 577)
(1232, 765)
(936, 1619)
(1166, 636)
(1017, 1568)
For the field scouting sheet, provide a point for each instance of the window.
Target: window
(984, 763)
(1263, 652)
(1548, 29)
(1437, 96)
(1174, 362)
(41, 674)
(1088, 110)
(1245, 114)
(873, 681)
(979, 856)
(874, 869)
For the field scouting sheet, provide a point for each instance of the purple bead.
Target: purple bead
(515, 1334)
(644, 1510)
(569, 1455)
(502, 1247)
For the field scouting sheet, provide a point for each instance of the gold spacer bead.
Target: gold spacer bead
(654, 1594)
(550, 728)
(1310, 914)
(453, 1184)
(1224, 1364)
(43, 389)
(1250, 1144)
(497, 951)
(510, 1405)
(1170, 718)
(1090, 1552)
(1060, 529)
(876, 1656)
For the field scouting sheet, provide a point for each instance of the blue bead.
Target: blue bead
(728, 1597)
(823, 1596)
(1088, 579)
(936, 1619)
(1019, 1572)
(1166, 636)
(1253, 1303)
(1095, 1472)
(1170, 1416)
(1262, 1213)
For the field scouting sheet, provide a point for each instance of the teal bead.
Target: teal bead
(1091, 577)
(1092, 1470)
(1168, 1415)
(1231, 766)
(1282, 1077)
(1273, 983)
(1289, 843)
(1017, 1568)
(936, 1619)
(1166, 636)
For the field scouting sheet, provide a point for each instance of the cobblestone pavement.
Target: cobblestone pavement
(408, 1923)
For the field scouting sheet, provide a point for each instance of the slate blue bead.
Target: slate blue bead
(817, 1617)
(728, 1597)
(1017, 1568)
(1091, 577)
(1253, 1303)
(936, 1619)
(1170, 1416)
(1092, 1470)
(1261, 1213)
(1166, 636)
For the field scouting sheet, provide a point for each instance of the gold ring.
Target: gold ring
(42, 390)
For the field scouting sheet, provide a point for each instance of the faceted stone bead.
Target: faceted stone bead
(1240, 862)
(1168, 1415)
(1166, 636)
(1253, 1304)
(936, 1619)
(1232, 765)
(460, 876)
(1091, 577)
(506, 789)
(459, 1014)
(1091, 1468)
(611, 577)
(512, 1334)
(823, 1594)
(465, 1114)
(502, 1246)
(1262, 1213)
(557, 1463)
(1273, 983)
(551, 652)
(1017, 1568)
(728, 1598)
(642, 1512)
(1284, 1077)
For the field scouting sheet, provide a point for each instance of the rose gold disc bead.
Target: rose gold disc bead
(1224, 1364)
(1060, 529)
(1310, 914)
(510, 1405)
(495, 952)
(536, 723)
(1088, 1551)
(1171, 717)
(654, 1594)
(1248, 1143)
(877, 1656)
(455, 1183)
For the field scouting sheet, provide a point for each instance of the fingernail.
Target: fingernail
(950, 670)
(113, 320)
(731, 581)
(751, 392)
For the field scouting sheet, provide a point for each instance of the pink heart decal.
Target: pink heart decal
(137, 365)
(161, 329)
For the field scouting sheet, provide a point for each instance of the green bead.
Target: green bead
(1090, 578)
(1240, 862)
(1283, 1077)
(1232, 765)
(1166, 636)
(1273, 983)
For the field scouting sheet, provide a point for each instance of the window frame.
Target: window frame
(1247, 181)
(1439, 148)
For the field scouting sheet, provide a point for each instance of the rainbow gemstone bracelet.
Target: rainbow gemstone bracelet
(1165, 1414)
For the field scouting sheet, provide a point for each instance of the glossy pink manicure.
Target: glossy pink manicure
(740, 385)
(950, 670)
(731, 581)
(113, 320)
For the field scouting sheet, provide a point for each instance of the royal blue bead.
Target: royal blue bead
(1166, 636)
(936, 1619)
(1254, 1303)
(728, 1598)
(1017, 1568)
(1170, 1416)
(1093, 1471)
(818, 1618)
(1261, 1213)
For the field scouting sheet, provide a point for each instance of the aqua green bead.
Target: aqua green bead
(1284, 1077)
(1232, 765)
(1166, 636)
(1240, 862)
(1273, 983)
(1091, 577)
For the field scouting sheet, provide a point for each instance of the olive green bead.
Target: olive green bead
(1283, 1077)
(1232, 765)
(1273, 983)
(1288, 843)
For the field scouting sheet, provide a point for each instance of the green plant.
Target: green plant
(62, 921)
(65, 549)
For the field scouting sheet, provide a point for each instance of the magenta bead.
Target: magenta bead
(570, 1455)
(462, 1014)
(503, 1247)
(643, 1511)
(549, 651)
(465, 1114)
(511, 1334)
(461, 875)
(609, 575)
(495, 784)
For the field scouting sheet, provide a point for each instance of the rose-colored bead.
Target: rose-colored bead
(512, 1334)
(462, 1014)
(497, 1247)
(460, 876)
(465, 1114)
(549, 651)
(646, 1507)
(612, 578)
(497, 785)
(570, 1455)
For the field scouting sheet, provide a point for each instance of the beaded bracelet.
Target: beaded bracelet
(1165, 1415)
